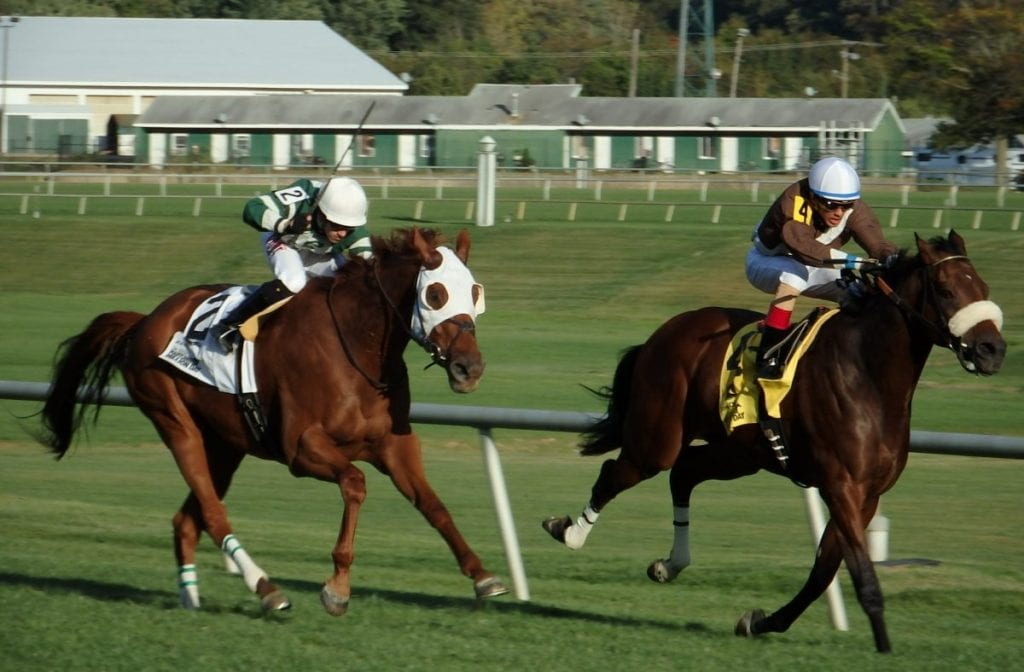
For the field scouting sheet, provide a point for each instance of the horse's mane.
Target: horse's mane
(396, 245)
(399, 242)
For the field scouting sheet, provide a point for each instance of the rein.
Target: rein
(943, 336)
(431, 348)
(377, 384)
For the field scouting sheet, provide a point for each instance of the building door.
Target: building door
(406, 151)
(729, 154)
(602, 152)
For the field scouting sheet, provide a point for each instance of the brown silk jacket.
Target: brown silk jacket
(792, 226)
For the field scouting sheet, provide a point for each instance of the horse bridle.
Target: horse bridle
(433, 349)
(943, 336)
(437, 356)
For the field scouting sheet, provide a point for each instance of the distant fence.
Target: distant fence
(484, 419)
(519, 190)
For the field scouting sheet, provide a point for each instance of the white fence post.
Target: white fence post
(837, 610)
(504, 510)
(485, 181)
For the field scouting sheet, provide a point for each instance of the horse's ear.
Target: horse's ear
(462, 246)
(429, 256)
(922, 246)
(957, 241)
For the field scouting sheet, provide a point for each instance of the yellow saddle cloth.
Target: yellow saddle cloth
(739, 382)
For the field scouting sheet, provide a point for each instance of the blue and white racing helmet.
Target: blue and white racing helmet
(835, 179)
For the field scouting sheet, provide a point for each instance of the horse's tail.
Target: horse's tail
(87, 362)
(606, 433)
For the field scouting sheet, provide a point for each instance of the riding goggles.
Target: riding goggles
(829, 204)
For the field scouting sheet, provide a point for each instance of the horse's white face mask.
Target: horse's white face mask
(444, 292)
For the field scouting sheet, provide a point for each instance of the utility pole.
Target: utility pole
(634, 62)
(702, 24)
(736, 58)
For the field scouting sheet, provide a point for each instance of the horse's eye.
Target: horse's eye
(435, 296)
(944, 293)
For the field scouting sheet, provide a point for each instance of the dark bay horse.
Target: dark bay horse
(333, 386)
(846, 418)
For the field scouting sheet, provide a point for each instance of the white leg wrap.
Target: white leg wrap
(230, 565)
(679, 558)
(251, 573)
(577, 533)
(188, 586)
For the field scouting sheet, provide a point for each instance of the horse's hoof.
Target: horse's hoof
(556, 526)
(334, 604)
(660, 572)
(489, 587)
(275, 601)
(747, 626)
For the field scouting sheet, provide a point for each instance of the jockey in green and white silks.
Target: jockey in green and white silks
(308, 228)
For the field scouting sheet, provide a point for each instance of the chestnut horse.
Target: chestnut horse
(333, 386)
(846, 417)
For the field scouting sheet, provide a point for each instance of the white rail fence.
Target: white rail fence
(486, 419)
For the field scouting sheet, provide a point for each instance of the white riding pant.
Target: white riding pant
(766, 271)
(293, 267)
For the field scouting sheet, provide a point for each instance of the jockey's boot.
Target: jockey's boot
(769, 360)
(266, 295)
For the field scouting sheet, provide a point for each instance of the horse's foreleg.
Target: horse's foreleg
(862, 572)
(826, 564)
(337, 590)
(403, 463)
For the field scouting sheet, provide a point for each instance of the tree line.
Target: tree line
(959, 59)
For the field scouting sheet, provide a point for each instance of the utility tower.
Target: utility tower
(696, 45)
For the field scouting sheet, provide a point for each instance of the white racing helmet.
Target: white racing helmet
(835, 179)
(343, 202)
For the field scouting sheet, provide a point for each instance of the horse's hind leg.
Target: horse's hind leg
(616, 476)
(188, 526)
(645, 453)
(696, 464)
(182, 436)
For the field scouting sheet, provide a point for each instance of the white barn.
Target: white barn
(65, 77)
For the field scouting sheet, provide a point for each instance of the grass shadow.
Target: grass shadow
(500, 605)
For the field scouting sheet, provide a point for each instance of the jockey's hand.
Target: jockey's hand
(854, 286)
(292, 226)
(890, 260)
(857, 289)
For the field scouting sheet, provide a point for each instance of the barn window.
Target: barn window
(707, 147)
(367, 146)
(426, 146)
(241, 145)
(179, 144)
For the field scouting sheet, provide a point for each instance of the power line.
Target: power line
(625, 53)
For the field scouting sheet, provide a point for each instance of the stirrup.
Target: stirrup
(227, 336)
(770, 368)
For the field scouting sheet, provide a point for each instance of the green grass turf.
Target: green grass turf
(87, 572)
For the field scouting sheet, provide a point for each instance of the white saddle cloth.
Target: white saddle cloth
(196, 352)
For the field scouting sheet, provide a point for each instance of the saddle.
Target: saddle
(195, 351)
(740, 387)
(745, 399)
